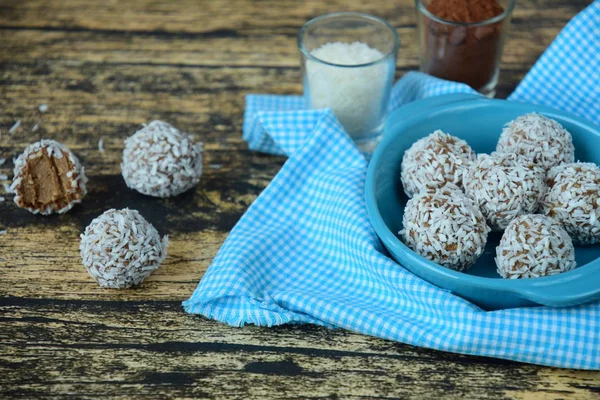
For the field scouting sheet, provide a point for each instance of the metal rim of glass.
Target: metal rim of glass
(507, 11)
(372, 18)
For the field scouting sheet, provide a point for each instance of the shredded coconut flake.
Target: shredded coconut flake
(435, 160)
(3, 232)
(2, 161)
(120, 248)
(101, 145)
(534, 246)
(356, 95)
(504, 186)
(35, 128)
(161, 161)
(43, 107)
(3, 177)
(14, 127)
(573, 198)
(445, 226)
(540, 140)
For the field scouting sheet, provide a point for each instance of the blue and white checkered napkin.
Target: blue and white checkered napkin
(305, 251)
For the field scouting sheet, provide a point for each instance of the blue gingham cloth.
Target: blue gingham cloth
(305, 251)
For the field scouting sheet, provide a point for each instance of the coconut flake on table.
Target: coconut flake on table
(35, 128)
(101, 145)
(3, 177)
(14, 127)
(43, 107)
(356, 94)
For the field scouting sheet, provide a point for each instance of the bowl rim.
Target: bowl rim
(533, 289)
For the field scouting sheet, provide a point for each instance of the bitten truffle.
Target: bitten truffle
(445, 226)
(48, 178)
(504, 186)
(538, 139)
(533, 246)
(435, 160)
(120, 248)
(161, 161)
(573, 198)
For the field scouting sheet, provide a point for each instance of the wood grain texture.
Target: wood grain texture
(130, 349)
(104, 68)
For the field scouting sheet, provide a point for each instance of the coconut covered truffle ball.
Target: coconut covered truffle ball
(161, 161)
(538, 139)
(573, 198)
(533, 246)
(445, 226)
(435, 160)
(504, 186)
(48, 178)
(120, 248)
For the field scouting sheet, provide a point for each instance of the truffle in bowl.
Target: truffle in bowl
(481, 283)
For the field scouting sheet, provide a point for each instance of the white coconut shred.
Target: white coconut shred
(120, 248)
(435, 160)
(445, 226)
(356, 95)
(504, 186)
(573, 198)
(539, 139)
(161, 161)
(533, 246)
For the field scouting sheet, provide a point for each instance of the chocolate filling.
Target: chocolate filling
(46, 184)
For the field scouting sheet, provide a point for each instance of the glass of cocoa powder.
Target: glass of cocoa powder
(462, 40)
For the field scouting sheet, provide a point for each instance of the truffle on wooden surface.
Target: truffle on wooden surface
(48, 178)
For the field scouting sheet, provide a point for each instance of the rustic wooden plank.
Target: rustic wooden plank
(253, 36)
(178, 69)
(248, 50)
(106, 67)
(190, 16)
(136, 349)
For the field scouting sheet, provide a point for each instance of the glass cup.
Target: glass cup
(348, 65)
(463, 52)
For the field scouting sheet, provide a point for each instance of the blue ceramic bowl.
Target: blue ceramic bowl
(479, 121)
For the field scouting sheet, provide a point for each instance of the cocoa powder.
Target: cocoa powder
(462, 53)
(466, 11)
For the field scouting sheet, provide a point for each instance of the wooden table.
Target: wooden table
(105, 68)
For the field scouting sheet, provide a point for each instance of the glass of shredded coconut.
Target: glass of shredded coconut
(348, 65)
